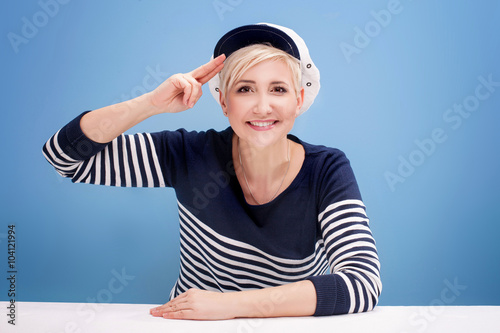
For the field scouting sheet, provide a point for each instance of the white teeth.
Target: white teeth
(262, 124)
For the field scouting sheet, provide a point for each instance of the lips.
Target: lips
(262, 125)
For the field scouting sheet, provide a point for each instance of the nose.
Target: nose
(263, 104)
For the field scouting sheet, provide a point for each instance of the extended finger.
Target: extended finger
(162, 310)
(178, 303)
(207, 71)
(181, 314)
(210, 75)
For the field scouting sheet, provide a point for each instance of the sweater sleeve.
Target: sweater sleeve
(128, 160)
(353, 284)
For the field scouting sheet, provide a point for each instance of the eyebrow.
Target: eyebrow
(253, 82)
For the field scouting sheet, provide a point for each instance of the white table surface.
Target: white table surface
(38, 317)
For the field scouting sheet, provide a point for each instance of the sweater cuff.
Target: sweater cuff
(76, 144)
(331, 295)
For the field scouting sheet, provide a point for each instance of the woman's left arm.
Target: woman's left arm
(353, 284)
(289, 300)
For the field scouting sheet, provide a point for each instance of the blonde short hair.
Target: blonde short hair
(247, 57)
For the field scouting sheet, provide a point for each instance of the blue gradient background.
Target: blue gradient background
(441, 224)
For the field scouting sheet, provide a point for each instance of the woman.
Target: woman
(270, 225)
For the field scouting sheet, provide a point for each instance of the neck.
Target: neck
(262, 171)
(264, 163)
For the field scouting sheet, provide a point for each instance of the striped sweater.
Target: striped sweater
(316, 229)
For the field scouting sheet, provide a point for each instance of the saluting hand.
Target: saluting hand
(181, 91)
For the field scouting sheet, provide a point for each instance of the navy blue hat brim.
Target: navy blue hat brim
(255, 34)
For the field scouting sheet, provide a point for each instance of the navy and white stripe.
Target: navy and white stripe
(128, 161)
(211, 261)
(351, 251)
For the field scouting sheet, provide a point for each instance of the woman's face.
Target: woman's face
(262, 105)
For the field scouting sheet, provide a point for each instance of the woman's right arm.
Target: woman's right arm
(178, 93)
(92, 149)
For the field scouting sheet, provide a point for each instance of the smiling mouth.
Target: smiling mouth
(262, 123)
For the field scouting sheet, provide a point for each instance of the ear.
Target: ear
(300, 102)
(222, 102)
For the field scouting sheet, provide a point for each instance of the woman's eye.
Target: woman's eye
(280, 90)
(244, 89)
